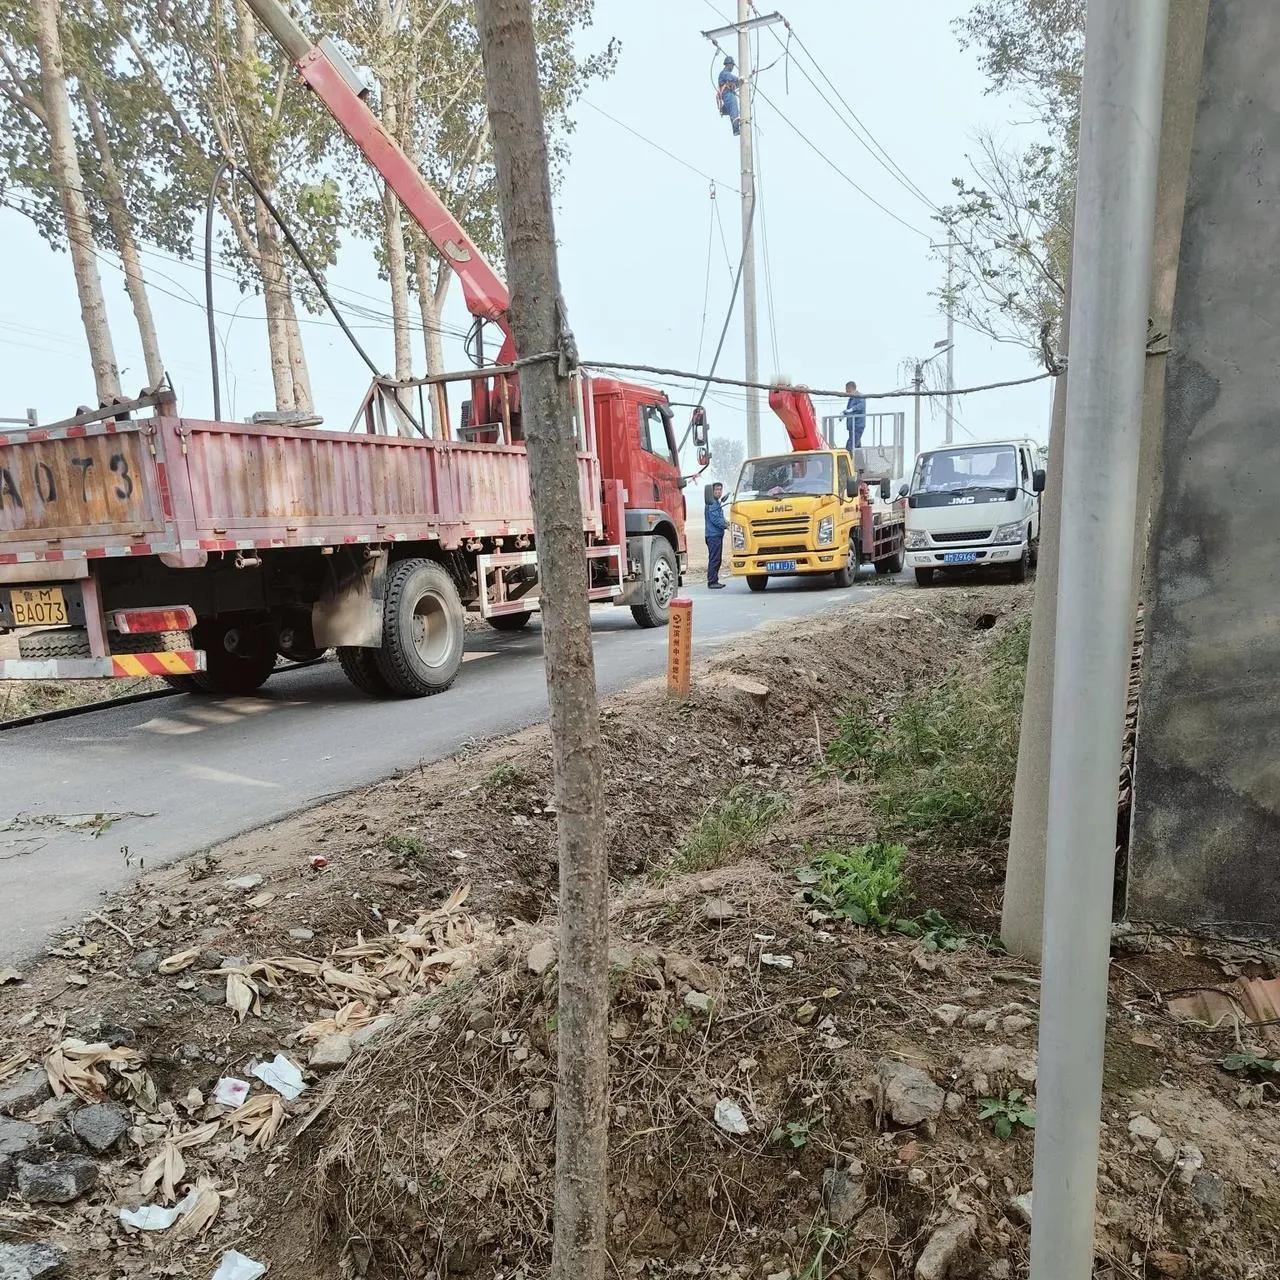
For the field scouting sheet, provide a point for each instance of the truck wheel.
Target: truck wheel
(1018, 570)
(239, 656)
(924, 577)
(891, 564)
(422, 630)
(360, 666)
(757, 581)
(510, 621)
(844, 576)
(660, 589)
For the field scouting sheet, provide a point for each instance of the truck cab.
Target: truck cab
(808, 512)
(975, 506)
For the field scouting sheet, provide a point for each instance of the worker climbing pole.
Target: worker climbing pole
(728, 88)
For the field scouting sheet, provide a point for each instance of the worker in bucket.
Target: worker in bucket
(855, 415)
(727, 91)
(714, 525)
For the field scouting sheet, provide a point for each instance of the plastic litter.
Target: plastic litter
(235, 1266)
(231, 1092)
(729, 1117)
(318, 861)
(281, 1075)
(157, 1217)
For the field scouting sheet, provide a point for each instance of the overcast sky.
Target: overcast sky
(851, 285)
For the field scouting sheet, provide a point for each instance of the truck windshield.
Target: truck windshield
(789, 474)
(949, 470)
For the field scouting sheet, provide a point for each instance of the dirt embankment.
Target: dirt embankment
(792, 1091)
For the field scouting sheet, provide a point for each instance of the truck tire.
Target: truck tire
(239, 653)
(660, 589)
(360, 666)
(924, 577)
(1018, 570)
(844, 576)
(422, 630)
(757, 581)
(890, 564)
(73, 642)
(510, 621)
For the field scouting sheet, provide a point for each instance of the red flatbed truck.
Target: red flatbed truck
(136, 541)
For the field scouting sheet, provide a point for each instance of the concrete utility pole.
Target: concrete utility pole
(918, 382)
(1111, 286)
(951, 339)
(749, 334)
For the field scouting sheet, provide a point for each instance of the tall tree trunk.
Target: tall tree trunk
(579, 1250)
(122, 227)
(431, 306)
(303, 400)
(275, 297)
(65, 166)
(397, 258)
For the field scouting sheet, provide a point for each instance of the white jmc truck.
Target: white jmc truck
(974, 506)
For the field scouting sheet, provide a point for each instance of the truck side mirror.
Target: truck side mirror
(698, 425)
(851, 488)
(903, 489)
(1037, 481)
(886, 489)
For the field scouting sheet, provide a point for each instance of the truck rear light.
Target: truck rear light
(139, 622)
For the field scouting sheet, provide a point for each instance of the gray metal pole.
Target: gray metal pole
(951, 339)
(752, 360)
(1110, 290)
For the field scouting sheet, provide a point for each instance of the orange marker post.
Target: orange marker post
(680, 647)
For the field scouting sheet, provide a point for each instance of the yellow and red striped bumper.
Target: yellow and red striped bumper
(122, 666)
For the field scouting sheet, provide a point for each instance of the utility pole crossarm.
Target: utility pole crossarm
(750, 24)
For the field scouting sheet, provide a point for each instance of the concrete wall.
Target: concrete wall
(1205, 844)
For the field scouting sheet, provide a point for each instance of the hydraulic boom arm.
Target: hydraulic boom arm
(795, 408)
(323, 67)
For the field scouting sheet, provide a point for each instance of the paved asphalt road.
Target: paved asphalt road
(185, 773)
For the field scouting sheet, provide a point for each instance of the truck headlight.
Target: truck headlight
(1011, 532)
(739, 535)
(916, 539)
(826, 530)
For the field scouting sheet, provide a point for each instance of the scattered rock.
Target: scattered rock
(56, 1181)
(362, 1037)
(752, 689)
(331, 1051)
(245, 883)
(953, 1104)
(1209, 1192)
(1001, 1060)
(145, 962)
(1165, 1263)
(1016, 1023)
(17, 1137)
(100, 1126)
(25, 1093)
(1190, 1162)
(1144, 1129)
(948, 1014)
(844, 1192)
(31, 1261)
(302, 935)
(973, 995)
(540, 1099)
(1165, 1150)
(212, 994)
(717, 910)
(1000, 1269)
(1020, 1208)
(480, 1020)
(806, 1013)
(542, 955)
(943, 1245)
(729, 1117)
(907, 1095)
(698, 1001)
(101, 1030)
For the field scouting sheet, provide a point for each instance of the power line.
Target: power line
(657, 146)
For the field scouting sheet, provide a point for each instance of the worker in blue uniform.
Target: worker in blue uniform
(728, 88)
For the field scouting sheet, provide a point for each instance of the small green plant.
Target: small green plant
(937, 933)
(1007, 1113)
(733, 825)
(503, 777)
(1250, 1064)
(404, 846)
(860, 883)
(796, 1132)
(682, 1023)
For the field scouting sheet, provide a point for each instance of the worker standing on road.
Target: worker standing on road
(727, 95)
(715, 525)
(855, 415)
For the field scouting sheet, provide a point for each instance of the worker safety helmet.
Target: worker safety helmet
(728, 62)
